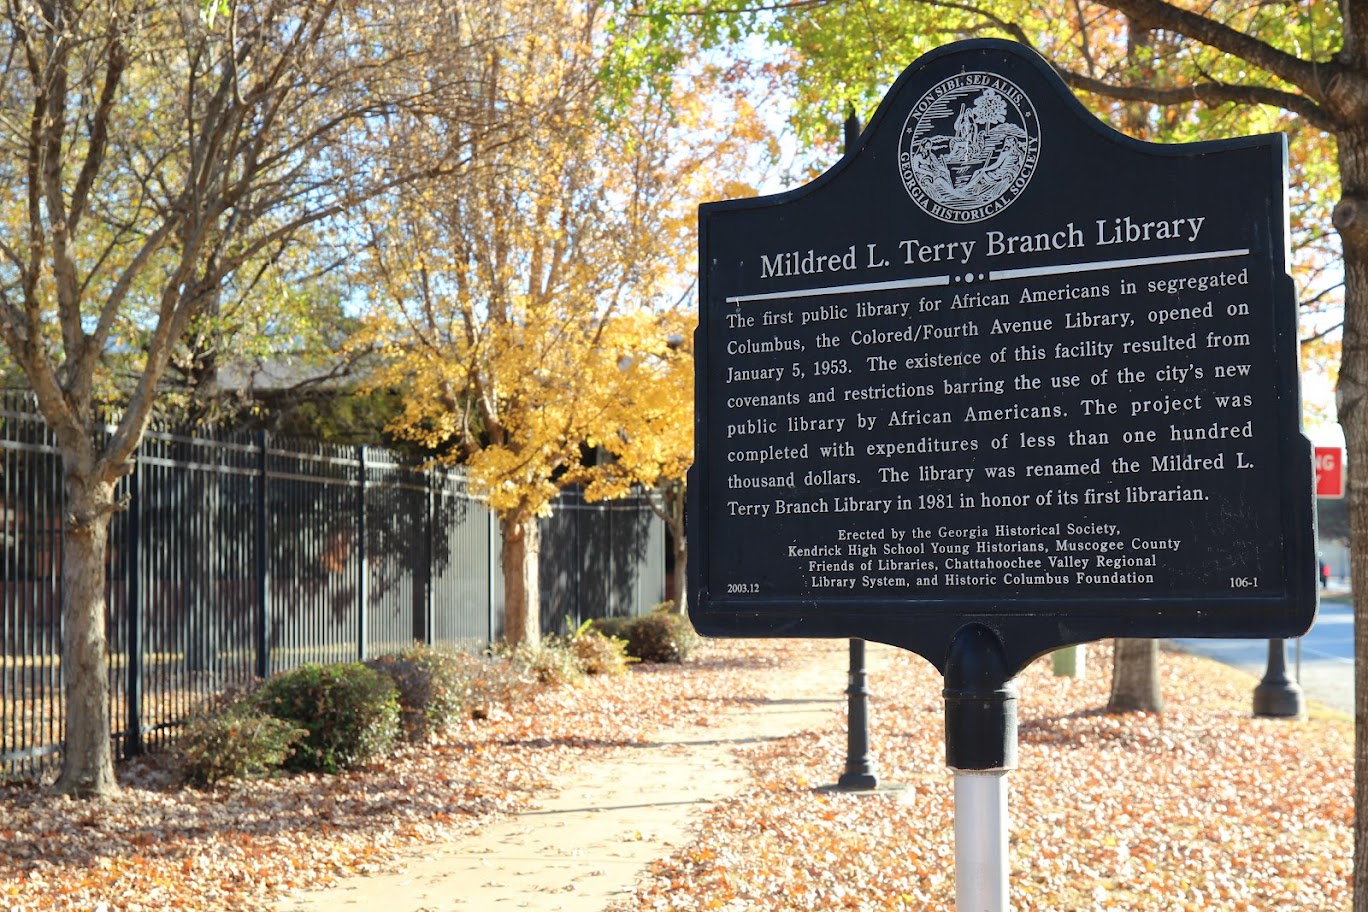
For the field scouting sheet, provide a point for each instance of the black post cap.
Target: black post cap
(980, 703)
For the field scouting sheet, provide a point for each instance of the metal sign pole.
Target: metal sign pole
(1277, 696)
(981, 841)
(980, 746)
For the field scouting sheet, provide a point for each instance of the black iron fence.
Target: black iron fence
(238, 557)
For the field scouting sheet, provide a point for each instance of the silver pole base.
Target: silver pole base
(981, 841)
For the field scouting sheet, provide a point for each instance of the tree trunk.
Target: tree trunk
(667, 501)
(522, 591)
(88, 752)
(1358, 568)
(1135, 677)
(675, 499)
(681, 577)
(1351, 218)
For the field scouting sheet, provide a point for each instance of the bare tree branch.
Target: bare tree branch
(1206, 93)
(1309, 76)
(1316, 337)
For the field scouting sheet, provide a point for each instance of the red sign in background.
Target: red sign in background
(1329, 472)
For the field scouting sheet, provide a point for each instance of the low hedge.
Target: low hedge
(233, 739)
(351, 713)
(431, 686)
(661, 636)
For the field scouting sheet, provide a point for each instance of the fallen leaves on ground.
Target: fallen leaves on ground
(1201, 807)
(239, 846)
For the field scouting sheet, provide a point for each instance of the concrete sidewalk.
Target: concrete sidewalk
(587, 844)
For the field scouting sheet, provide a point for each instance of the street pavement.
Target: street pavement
(1322, 661)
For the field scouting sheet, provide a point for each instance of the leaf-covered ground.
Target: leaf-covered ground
(160, 847)
(1200, 808)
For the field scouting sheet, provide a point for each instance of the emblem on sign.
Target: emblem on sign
(969, 147)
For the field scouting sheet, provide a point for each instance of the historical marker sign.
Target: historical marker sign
(1003, 365)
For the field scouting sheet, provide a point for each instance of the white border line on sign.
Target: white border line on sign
(1027, 273)
(993, 276)
(926, 282)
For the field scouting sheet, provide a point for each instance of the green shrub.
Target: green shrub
(431, 685)
(615, 627)
(233, 739)
(661, 636)
(597, 654)
(351, 713)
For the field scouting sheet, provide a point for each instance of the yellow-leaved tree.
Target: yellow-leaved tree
(516, 304)
(648, 431)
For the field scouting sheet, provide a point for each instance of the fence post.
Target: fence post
(133, 683)
(429, 573)
(492, 525)
(361, 574)
(581, 518)
(263, 556)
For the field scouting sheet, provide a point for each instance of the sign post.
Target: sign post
(1002, 380)
(980, 748)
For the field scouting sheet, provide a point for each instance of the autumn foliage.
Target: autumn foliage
(244, 844)
(1202, 808)
(526, 307)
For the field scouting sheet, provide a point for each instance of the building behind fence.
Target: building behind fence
(363, 555)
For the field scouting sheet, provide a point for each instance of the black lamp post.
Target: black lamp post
(859, 769)
(1278, 696)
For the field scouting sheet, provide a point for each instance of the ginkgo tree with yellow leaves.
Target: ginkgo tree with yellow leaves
(520, 305)
(648, 431)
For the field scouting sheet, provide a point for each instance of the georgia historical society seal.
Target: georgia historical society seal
(969, 147)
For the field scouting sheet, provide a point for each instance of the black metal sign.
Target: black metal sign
(1003, 365)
